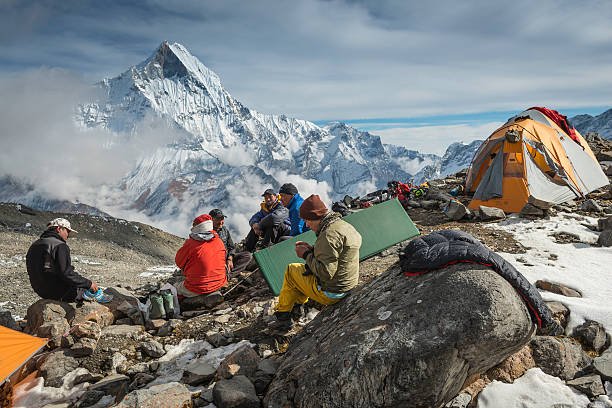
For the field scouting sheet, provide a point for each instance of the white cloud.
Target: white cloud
(435, 139)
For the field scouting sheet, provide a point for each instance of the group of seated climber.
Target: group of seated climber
(330, 269)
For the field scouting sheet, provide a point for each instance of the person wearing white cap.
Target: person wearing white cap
(49, 266)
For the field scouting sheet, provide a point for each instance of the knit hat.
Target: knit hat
(288, 188)
(268, 191)
(313, 208)
(61, 222)
(202, 223)
(217, 213)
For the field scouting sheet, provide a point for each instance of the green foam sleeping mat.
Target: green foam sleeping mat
(381, 226)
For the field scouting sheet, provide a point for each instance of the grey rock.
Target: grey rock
(242, 361)
(53, 330)
(55, 366)
(140, 380)
(218, 339)
(266, 369)
(591, 205)
(89, 398)
(7, 320)
(403, 341)
(490, 213)
(603, 364)
(123, 320)
(592, 334)
(560, 312)
(83, 347)
(92, 312)
(168, 328)
(202, 301)
(237, 392)
(559, 357)
(126, 330)
(557, 288)
(605, 238)
(460, 401)
(138, 368)
(115, 385)
(455, 210)
(430, 204)
(46, 310)
(590, 385)
(121, 296)
(199, 372)
(604, 224)
(87, 377)
(152, 348)
(530, 210)
(170, 395)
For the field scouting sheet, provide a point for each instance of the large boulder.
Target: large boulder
(404, 341)
(45, 311)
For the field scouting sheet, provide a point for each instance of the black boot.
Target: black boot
(283, 322)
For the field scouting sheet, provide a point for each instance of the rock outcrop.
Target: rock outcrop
(400, 341)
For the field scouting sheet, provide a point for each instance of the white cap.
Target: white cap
(61, 222)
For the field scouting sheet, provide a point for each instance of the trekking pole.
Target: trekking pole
(239, 282)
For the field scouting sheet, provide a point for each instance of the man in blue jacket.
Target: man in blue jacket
(270, 223)
(291, 199)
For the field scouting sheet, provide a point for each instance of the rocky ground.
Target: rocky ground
(116, 253)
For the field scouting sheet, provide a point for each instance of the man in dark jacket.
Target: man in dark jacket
(50, 267)
(237, 261)
(271, 222)
(290, 197)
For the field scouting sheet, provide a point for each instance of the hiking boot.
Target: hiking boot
(283, 322)
(97, 296)
(299, 311)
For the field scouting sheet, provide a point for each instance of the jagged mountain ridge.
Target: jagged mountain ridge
(221, 139)
(601, 124)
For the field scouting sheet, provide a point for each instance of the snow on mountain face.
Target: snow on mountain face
(601, 124)
(224, 143)
(458, 156)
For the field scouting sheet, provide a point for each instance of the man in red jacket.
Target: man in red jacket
(202, 260)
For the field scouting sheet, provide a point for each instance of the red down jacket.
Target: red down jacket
(203, 264)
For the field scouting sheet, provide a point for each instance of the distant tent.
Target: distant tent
(535, 157)
(16, 349)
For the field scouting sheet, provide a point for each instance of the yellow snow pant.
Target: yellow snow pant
(298, 288)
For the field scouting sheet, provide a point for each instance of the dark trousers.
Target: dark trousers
(270, 236)
(241, 260)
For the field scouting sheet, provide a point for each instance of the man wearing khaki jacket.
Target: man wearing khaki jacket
(331, 267)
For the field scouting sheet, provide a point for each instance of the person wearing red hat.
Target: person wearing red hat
(330, 269)
(201, 259)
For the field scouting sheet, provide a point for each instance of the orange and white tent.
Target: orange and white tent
(16, 349)
(535, 157)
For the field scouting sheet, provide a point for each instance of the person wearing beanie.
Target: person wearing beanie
(49, 265)
(201, 260)
(270, 224)
(291, 199)
(330, 269)
(236, 261)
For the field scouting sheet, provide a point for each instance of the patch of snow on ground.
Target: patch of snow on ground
(535, 389)
(160, 271)
(33, 393)
(579, 266)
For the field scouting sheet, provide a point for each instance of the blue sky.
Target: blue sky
(421, 74)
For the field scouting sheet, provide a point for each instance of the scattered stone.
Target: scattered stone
(88, 329)
(199, 372)
(92, 311)
(44, 311)
(560, 312)
(513, 367)
(55, 366)
(591, 205)
(604, 224)
(455, 210)
(460, 401)
(123, 320)
(115, 385)
(125, 330)
(236, 392)
(490, 213)
(140, 380)
(242, 361)
(197, 302)
(557, 288)
(67, 341)
(219, 339)
(155, 324)
(120, 295)
(603, 364)
(170, 395)
(168, 327)
(152, 349)
(530, 210)
(590, 385)
(87, 377)
(119, 363)
(266, 369)
(605, 238)
(90, 397)
(591, 334)
(137, 368)
(83, 347)
(7, 320)
(559, 357)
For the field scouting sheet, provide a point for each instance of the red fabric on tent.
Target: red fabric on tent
(560, 120)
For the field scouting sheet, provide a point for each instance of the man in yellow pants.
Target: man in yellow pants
(331, 267)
